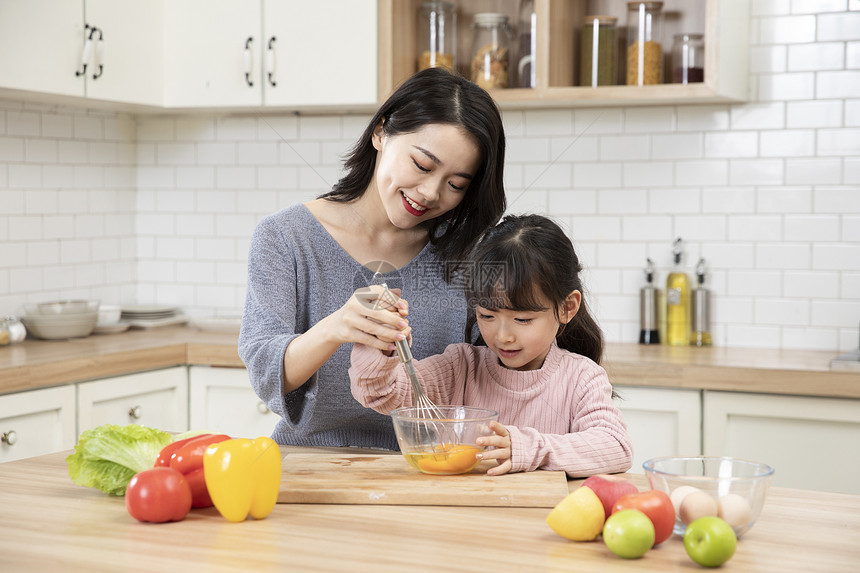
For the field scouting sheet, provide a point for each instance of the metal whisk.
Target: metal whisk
(424, 406)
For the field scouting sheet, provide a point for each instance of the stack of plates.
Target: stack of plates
(150, 316)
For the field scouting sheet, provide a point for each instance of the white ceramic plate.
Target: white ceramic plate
(157, 322)
(112, 328)
(218, 324)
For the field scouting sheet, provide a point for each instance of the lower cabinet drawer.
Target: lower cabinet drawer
(37, 422)
(158, 399)
(222, 400)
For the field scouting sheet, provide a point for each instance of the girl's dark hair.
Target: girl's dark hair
(436, 96)
(522, 262)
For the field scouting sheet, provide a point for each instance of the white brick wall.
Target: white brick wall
(161, 209)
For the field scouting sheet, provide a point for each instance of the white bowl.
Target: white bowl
(62, 307)
(109, 314)
(58, 330)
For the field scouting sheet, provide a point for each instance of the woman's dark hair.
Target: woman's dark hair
(436, 96)
(522, 262)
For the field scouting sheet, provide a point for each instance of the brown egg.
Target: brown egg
(695, 505)
(734, 509)
(678, 495)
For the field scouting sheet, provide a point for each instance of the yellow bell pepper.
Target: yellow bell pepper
(243, 476)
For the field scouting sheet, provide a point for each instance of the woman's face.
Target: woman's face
(424, 174)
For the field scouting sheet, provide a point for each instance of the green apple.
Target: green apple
(628, 533)
(710, 541)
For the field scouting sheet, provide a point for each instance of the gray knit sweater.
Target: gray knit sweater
(297, 275)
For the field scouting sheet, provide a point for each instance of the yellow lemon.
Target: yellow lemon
(579, 516)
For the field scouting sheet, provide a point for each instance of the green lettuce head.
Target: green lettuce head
(108, 456)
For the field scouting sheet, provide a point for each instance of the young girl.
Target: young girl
(540, 366)
(421, 184)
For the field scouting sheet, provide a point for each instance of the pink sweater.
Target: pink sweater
(561, 416)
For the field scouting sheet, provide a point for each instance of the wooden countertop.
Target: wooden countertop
(50, 523)
(40, 363)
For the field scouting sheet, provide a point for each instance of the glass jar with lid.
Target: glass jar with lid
(437, 35)
(11, 331)
(597, 51)
(688, 59)
(644, 48)
(491, 51)
(527, 34)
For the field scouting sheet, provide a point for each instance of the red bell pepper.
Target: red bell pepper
(163, 459)
(186, 456)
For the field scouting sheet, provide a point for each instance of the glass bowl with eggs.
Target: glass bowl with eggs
(729, 488)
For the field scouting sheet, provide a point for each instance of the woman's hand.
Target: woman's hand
(502, 452)
(372, 318)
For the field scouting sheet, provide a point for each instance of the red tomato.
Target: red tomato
(189, 456)
(199, 492)
(656, 505)
(158, 495)
(163, 459)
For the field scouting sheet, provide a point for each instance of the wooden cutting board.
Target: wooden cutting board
(389, 480)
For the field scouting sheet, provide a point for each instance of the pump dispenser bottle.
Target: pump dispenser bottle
(648, 320)
(677, 301)
(701, 307)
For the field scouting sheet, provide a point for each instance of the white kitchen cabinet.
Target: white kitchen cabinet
(43, 42)
(320, 53)
(133, 51)
(223, 401)
(157, 398)
(661, 422)
(37, 422)
(40, 46)
(277, 53)
(210, 46)
(812, 443)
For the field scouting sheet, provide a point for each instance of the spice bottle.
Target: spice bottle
(597, 51)
(701, 307)
(527, 33)
(677, 301)
(688, 59)
(11, 331)
(491, 51)
(436, 35)
(648, 321)
(644, 50)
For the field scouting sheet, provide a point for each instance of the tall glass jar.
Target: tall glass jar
(527, 32)
(597, 51)
(688, 59)
(644, 49)
(491, 51)
(436, 35)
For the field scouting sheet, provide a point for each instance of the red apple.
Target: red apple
(609, 488)
(656, 505)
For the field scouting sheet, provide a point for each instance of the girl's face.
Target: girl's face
(522, 338)
(424, 174)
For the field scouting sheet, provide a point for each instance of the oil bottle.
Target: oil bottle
(677, 301)
(701, 307)
(648, 320)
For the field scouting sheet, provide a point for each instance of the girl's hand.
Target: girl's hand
(502, 454)
(370, 318)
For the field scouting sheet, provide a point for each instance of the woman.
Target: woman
(422, 183)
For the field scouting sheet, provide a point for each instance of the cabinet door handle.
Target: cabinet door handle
(87, 51)
(262, 408)
(134, 412)
(100, 54)
(9, 437)
(271, 61)
(249, 62)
